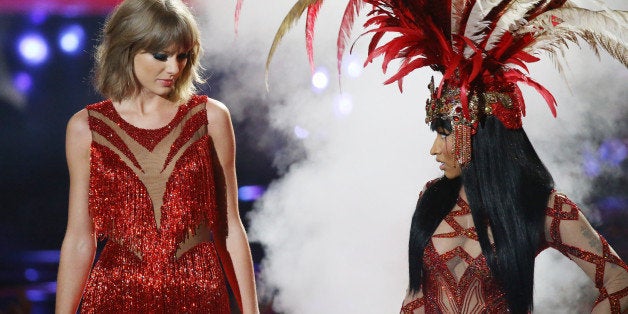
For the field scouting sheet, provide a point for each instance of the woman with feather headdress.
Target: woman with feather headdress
(477, 229)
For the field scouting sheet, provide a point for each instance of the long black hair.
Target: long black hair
(507, 187)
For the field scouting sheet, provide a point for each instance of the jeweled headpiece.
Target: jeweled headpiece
(480, 47)
(446, 103)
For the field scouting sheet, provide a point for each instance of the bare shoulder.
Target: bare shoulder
(557, 198)
(78, 134)
(78, 125)
(559, 205)
(217, 112)
(220, 129)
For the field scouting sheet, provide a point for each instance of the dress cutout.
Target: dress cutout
(459, 280)
(152, 196)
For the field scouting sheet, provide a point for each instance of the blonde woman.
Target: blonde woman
(152, 171)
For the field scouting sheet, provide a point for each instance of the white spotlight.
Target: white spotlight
(354, 68)
(33, 49)
(320, 79)
(71, 39)
(343, 104)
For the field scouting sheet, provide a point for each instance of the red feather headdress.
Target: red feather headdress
(481, 47)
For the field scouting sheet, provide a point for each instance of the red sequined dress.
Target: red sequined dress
(151, 195)
(459, 280)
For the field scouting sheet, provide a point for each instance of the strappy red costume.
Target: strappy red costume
(152, 197)
(458, 279)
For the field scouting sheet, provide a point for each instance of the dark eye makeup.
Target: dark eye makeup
(160, 56)
(183, 56)
(163, 56)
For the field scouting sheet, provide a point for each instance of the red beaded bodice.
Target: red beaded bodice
(460, 275)
(152, 197)
(458, 279)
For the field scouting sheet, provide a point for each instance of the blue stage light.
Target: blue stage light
(591, 165)
(38, 16)
(36, 295)
(250, 193)
(43, 256)
(22, 82)
(41, 292)
(31, 274)
(33, 49)
(613, 151)
(612, 203)
(71, 39)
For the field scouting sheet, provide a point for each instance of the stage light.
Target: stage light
(320, 79)
(42, 256)
(354, 67)
(36, 295)
(301, 132)
(31, 274)
(591, 164)
(22, 82)
(250, 193)
(612, 203)
(33, 49)
(343, 104)
(41, 292)
(613, 151)
(71, 39)
(38, 16)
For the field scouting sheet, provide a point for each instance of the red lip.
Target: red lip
(167, 83)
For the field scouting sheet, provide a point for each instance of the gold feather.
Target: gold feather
(288, 22)
(556, 28)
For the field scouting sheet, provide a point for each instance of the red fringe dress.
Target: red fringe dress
(152, 196)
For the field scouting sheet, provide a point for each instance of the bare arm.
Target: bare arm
(568, 231)
(79, 243)
(221, 131)
(413, 303)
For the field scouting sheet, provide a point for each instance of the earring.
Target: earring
(462, 144)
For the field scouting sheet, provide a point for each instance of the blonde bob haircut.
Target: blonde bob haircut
(137, 26)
